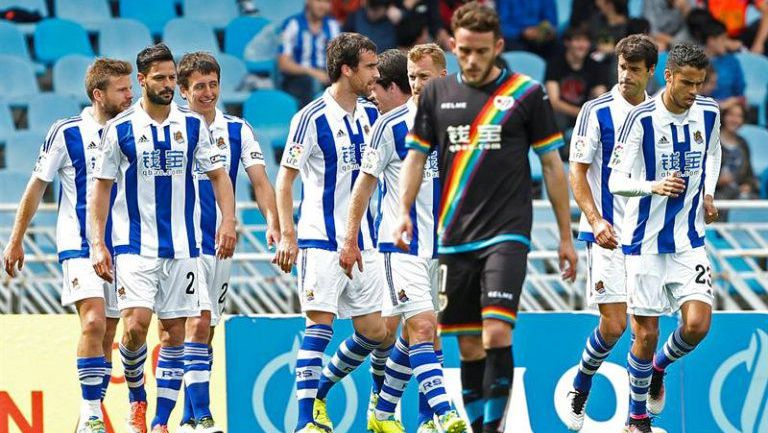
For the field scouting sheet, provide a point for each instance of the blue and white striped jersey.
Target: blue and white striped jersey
(235, 141)
(326, 144)
(71, 149)
(653, 144)
(383, 159)
(592, 143)
(305, 47)
(153, 164)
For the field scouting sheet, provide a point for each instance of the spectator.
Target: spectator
(729, 84)
(530, 25)
(667, 18)
(609, 26)
(411, 16)
(573, 77)
(302, 58)
(372, 20)
(341, 9)
(733, 13)
(581, 12)
(412, 31)
(737, 180)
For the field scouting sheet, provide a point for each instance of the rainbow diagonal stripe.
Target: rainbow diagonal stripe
(466, 161)
(413, 141)
(499, 313)
(545, 145)
(461, 329)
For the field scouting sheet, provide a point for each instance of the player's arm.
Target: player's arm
(288, 249)
(252, 159)
(361, 195)
(712, 170)
(226, 236)
(105, 173)
(13, 256)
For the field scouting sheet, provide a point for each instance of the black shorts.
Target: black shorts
(479, 285)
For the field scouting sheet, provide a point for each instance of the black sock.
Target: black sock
(497, 384)
(472, 391)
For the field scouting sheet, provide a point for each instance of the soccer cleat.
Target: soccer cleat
(137, 417)
(428, 427)
(311, 428)
(389, 425)
(642, 425)
(371, 407)
(160, 428)
(187, 427)
(93, 425)
(320, 414)
(206, 425)
(656, 394)
(451, 422)
(576, 402)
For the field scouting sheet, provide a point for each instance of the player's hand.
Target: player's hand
(348, 256)
(226, 239)
(710, 210)
(13, 258)
(287, 252)
(671, 186)
(604, 234)
(102, 262)
(403, 233)
(566, 253)
(273, 237)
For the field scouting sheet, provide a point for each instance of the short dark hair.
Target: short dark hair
(712, 29)
(476, 17)
(393, 68)
(345, 49)
(155, 53)
(198, 61)
(638, 47)
(686, 54)
(576, 31)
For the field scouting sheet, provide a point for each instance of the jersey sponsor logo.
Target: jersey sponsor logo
(432, 167)
(498, 294)
(257, 155)
(503, 103)
(348, 159)
(92, 145)
(488, 137)
(143, 139)
(309, 294)
(453, 105)
(686, 163)
(663, 140)
(152, 162)
(340, 133)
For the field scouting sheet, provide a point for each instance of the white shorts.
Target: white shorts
(411, 284)
(606, 276)
(323, 286)
(169, 287)
(81, 282)
(214, 283)
(659, 284)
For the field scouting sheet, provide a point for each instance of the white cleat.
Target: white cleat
(206, 425)
(656, 393)
(577, 401)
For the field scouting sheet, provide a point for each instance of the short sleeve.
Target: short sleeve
(289, 37)
(380, 152)
(422, 135)
(301, 139)
(108, 161)
(207, 155)
(586, 136)
(627, 147)
(543, 132)
(53, 155)
(250, 153)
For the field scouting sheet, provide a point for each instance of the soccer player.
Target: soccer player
(325, 145)
(483, 121)
(151, 151)
(667, 160)
(69, 149)
(199, 77)
(601, 213)
(411, 276)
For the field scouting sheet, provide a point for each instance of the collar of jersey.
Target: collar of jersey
(143, 120)
(617, 96)
(219, 122)
(502, 76)
(665, 117)
(334, 109)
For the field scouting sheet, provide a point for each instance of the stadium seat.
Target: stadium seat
(270, 112)
(88, 13)
(68, 75)
(55, 38)
(527, 63)
(238, 33)
(14, 182)
(30, 5)
(123, 38)
(755, 67)
(46, 108)
(233, 71)
(635, 8)
(278, 11)
(564, 8)
(757, 139)
(18, 82)
(183, 35)
(12, 41)
(658, 74)
(22, 149)
(451, 63)
(7, 126)
(153, 13)
(217, 16)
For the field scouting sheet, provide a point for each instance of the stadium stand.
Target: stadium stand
(122, 38)
(218, 17)
(7, 126)
(38, 6)
(527, 63)
(451, 64)
(55, 38)
(19, 82)
(12, 41)
(153, 13)
(238, 33)
(90, 14)
(233, 72)
(755, 68)
(269, 112)
(21, 152)
(184, 35)
(68, 73)
(46, 108)
(757, 139)
(278, 11)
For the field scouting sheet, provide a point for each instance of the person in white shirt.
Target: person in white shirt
(151, 151)
(592, 144)
(69, 151)
(199, 79)
(326, 141)
(667, 160)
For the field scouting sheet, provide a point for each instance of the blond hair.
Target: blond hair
(100, 71)
(432, 50)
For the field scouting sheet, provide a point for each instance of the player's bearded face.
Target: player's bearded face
(633, 76)
(683, 84)
(160, 82)
(476, 53)
(364, 76)
(118, 95)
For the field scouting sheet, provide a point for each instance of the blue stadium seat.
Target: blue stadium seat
(658, 74)
(18, 82)
(527, 63)
(233, 71)
(7, 127)
(564, 8)
(217, 15)
(183, 35)
(30, 5)
(278, 11)
(14, 182)
(755, 68)
(635, 8)
(757, 139)
(22, 149)
(270, 112)
(123, 38)
(153, 13)
(238, 33)
(88, 13)
(68, 76)
(12, 41)
(55, 38)
(46, 108)
(451, 63)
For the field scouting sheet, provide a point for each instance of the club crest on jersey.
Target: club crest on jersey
(178, 137)
(121, 292)
(503, 103)
(402, 297)
(697, 137)
(75, 284)
(221, 143)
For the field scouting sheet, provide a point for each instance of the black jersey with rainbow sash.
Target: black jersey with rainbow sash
(483, 135)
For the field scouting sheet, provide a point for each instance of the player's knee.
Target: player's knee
(135, 333)
(647, 337)
(422, 331)
(694, 332)
(612, 329)
(471, 347)
(94, 327)
(198, 329)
